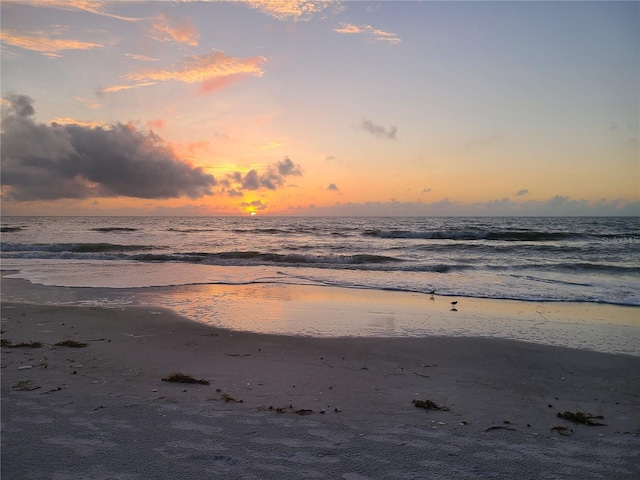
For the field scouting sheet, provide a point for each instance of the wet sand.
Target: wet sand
(301, 407)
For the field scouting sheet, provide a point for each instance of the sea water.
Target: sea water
(542, 259)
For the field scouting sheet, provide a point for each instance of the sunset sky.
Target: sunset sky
(320, 108)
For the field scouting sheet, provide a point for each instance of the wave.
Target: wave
(8, 229)
(506, 236)
(71, 247)
(192, 230)
(114, 229)
(252, 257)
(364, 261)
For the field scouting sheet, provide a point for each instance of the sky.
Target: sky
(295, 107)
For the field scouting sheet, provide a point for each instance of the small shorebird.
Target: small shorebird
(454, 304)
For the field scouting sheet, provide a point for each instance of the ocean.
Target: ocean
(541, 259)
(584, 260)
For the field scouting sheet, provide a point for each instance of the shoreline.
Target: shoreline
(340, 407)
(334, 312)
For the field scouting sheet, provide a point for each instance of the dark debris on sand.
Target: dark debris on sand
(581, 417)
(430, 405)
(178, 377)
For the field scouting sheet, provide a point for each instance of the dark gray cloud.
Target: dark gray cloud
(49, 162)
(251, 181)
(522, 192)
(288, 168)
(332, 187)
(273, 178)
(378, 130)
(21, 105)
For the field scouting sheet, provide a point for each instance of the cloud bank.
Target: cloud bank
(50, 162)
(558, 205)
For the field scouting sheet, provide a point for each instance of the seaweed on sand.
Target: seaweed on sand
(178, 377)
(228, 398)
(581, 417)
(430, 405)
(72, 344)
(290, 409)
(25, 386)
(32, 344)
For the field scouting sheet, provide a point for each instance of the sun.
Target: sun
(252, 214)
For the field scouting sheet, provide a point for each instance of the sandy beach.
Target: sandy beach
(290, 407)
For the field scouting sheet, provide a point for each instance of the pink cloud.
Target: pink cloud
(158, 124)
(218, 83)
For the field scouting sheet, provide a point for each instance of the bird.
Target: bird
(454, 303)
(432, 292)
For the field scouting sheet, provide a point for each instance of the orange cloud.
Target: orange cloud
(378, 35)
(39, 42)
(166, 29)
(189, 151)
(219, 83)
(73, 121)
(289, 9)
(158, 124)
(206, 68)
(118, 88)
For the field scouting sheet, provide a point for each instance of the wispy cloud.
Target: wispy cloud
(368, 31)
(332, 187)
(270, 145)
(46, 44)
(522, 192)
(57, 121)
(93, 6)
(214, 71)
(378, 130)
(142, 58)
(87, 102)
(158, 124)
(119, 88)
(168, 29)
(290, 9)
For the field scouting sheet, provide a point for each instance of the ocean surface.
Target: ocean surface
(541, 259)
(586, 260)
